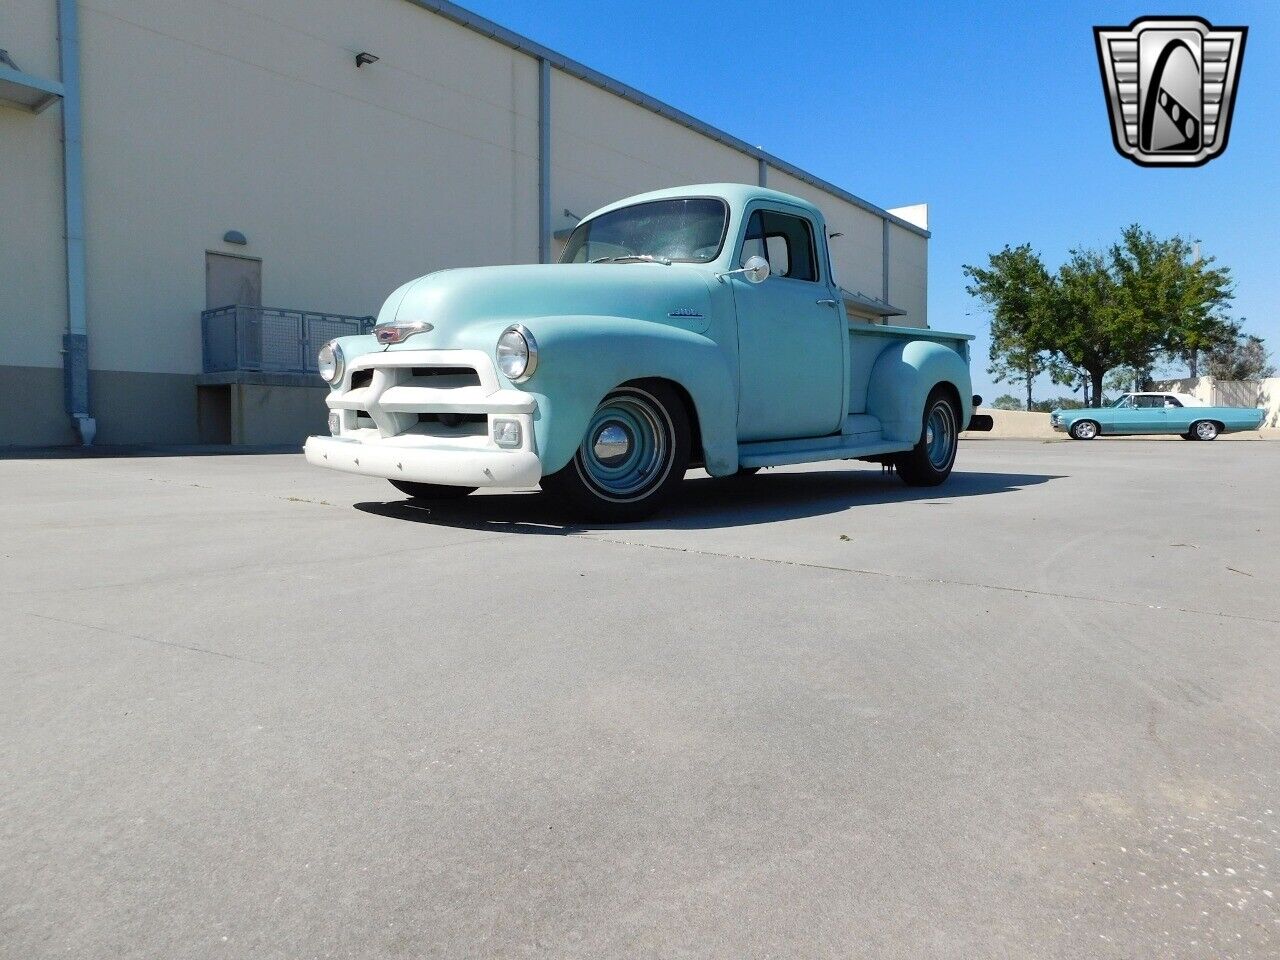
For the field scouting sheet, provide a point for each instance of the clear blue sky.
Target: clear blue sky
(992, 113)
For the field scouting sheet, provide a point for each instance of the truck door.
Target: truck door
(791, 330)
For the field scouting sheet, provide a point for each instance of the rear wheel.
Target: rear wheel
(1083, 430)
(632, 457)
(1204, 430)
(930, 461)
(430, 491)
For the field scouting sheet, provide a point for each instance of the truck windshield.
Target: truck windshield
(689, 230)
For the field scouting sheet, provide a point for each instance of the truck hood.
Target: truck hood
(468, 308)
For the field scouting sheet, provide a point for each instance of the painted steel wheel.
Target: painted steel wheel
(940, 435)
(633, 452)
(1084, 430)
(929, 463)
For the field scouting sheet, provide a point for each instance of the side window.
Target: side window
(785, 241)
(1172, 402)
(1149, 402)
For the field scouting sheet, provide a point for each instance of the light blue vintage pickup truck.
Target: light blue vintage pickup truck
(697, 326)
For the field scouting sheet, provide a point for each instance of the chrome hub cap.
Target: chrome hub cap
(629, 447)
(1206, 431)
(612, 444)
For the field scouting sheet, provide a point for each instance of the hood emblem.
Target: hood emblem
(399, 332)
(685, 312)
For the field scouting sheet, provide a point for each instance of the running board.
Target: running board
(775, 453)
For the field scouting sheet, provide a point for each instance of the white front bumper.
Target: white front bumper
(380, 433)
(455, 463)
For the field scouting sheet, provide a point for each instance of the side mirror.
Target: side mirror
(756, 269)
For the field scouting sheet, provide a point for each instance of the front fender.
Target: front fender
(901, 379)
(582, 358)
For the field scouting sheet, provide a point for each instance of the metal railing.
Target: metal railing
(268, 339)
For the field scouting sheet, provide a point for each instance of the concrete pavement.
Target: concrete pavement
(252, 709)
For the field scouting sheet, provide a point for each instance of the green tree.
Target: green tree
(1007, 401)
(1016, 288)
(1244, 357)
(1198, 293)
(1060, 403)
(1141, 298)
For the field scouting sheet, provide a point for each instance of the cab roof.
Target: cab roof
(735, 194)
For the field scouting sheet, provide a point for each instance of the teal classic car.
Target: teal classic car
(1153, 413)
(698, 326)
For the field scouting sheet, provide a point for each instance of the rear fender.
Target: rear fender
(901, 379)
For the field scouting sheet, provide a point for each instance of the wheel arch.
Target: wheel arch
(903, 377)
(697, 455)
(575, 374)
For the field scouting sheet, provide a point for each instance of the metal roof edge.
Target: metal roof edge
(494, 31)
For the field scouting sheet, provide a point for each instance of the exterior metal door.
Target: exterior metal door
(231, 280)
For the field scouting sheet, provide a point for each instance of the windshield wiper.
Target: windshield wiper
(646, 257)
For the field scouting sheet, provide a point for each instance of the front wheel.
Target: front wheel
(930, 461)
(632, 457)
(1204, 430)
(1083, 430)
(430, 491)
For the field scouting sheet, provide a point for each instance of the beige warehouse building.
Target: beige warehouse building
(163, 158)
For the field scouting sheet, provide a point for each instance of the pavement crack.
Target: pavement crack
(138, 636)
(941, 581)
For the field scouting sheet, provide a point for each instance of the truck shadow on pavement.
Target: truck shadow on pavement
(707, 503)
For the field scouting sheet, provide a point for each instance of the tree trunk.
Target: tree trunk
(1193, 364)
(1095, 378)
(1031, 378)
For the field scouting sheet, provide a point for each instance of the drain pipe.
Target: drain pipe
(75, 344)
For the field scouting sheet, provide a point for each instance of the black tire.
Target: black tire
(430, 491)
(646, 426)
(1204, 430)
(1084, 430)
(930, 461)
(1187, 436)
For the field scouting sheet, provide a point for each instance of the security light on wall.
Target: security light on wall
(364, 57)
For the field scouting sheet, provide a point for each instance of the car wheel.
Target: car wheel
(930, 461)
(1187, 436)
(633, 455)
(1083, 430)
(430, 491)
(1204, 430)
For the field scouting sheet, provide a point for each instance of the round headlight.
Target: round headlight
(330, 362)
(517, 353)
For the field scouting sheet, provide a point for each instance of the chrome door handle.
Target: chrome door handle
(827, 303)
